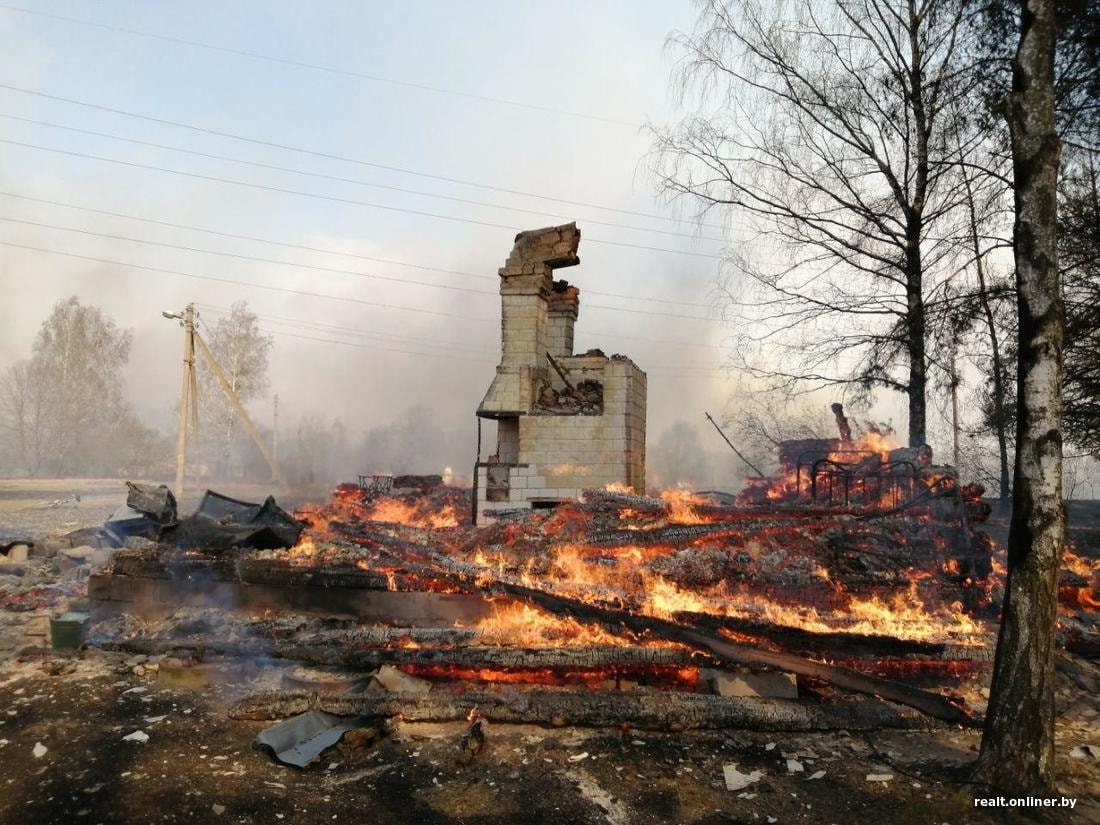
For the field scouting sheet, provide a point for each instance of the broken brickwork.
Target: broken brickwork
(565, 422)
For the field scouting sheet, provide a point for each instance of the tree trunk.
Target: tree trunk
(915, 333)
(915, 319)
(1017, 753)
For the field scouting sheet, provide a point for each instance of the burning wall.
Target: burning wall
(565, 422)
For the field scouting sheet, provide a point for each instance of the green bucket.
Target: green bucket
(67, 631)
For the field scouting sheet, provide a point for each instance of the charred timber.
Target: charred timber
(487, 657)
(638, 709)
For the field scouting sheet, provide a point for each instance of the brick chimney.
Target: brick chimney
(562, 308)
(526, 287)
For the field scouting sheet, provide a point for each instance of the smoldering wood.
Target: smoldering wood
(842, 424)
(586, 658)
(640, 503)
(646, 710)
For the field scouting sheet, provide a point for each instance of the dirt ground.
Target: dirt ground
(198, 765)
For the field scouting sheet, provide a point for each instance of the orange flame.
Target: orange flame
(394, 511)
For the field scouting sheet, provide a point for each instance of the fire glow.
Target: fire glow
(871, 569)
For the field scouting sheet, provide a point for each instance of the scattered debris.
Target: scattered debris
(765, 684)
(396, 681)
(301, 739)
(137, 736)
(39, 750)
(735, 780)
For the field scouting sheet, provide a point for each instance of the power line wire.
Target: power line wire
(447, 342)
(659, 368)
(305, 248)
(355, 181)
(488, 359)
(253, 258)
(347, 299)
(317, 268)
(343, 330)
(347, 159)
(318, 67)
(336, 199)
(248, 284)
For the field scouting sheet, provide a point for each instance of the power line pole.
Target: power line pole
(188, 391)
(235, 402)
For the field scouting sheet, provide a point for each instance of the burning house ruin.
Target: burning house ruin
(565, 422)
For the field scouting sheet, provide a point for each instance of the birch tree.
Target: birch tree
(1017, 752)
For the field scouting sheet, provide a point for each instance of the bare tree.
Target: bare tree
(59, 406)
(23, 428)
(767, 419)
(834, 138)
(242, 349)
(1017, 751)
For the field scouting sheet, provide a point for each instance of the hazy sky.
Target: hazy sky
(604, 59)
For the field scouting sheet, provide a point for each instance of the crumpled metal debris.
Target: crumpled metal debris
(222, 522)
(298, 741)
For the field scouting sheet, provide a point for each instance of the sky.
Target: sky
(536, 98)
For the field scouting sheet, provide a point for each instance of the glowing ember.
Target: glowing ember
(1086, 568)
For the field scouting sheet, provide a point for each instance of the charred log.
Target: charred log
(639, 709)
(473, 656)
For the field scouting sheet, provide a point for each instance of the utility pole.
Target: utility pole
(188, 391)
(235, 402)
(275, 432)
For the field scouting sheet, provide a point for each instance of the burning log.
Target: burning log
(934, 705)
(837, 645)
(673, 535)
(470, 576)
(613, 498)
(638, 709)
(842, 423)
